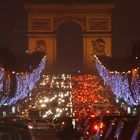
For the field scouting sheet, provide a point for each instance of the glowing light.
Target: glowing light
(43, 105)
(107, 111)
(95, 127)
(24, 84)
(125, 85)
(40, 101)
(92, 116)
(89, 95)
(46, 100)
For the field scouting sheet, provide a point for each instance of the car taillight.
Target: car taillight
(95, 127)
(87, 133)
(92, 116)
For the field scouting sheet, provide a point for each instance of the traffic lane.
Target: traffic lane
(46, 135)
(53, 135)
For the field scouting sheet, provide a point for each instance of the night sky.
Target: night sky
(126, 26)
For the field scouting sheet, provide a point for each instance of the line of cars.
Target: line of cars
(108, 127)
(111, 127)
(18, 128)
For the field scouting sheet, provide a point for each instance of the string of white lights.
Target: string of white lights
(25, 82)
(125, 85)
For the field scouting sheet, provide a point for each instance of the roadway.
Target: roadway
(46, 135)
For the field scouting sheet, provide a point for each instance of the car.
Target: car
(16, 129)
(110, 122)
(110, 130)
(41, 124)
(136, 132)
(106, 127)
(89, 127)
(125, 128)
(64, 128)
(9, 133)
(60, 123)
(15, 132)
(24, 131)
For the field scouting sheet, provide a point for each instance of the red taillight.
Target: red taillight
(87, 133)
(107, 111)
(95, 127)
(92, 116)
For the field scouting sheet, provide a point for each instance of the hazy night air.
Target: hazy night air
(69, 69)
(126, 30)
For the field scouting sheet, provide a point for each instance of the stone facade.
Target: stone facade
(94, 20)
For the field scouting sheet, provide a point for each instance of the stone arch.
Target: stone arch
(94, 19)
(79, 21)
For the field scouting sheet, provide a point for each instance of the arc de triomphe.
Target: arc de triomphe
(93, 19)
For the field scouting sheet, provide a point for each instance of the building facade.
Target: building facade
(93, 21)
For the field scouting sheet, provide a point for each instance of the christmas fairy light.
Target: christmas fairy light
(125, 85)
(25, 82)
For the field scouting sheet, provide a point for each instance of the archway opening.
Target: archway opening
(69, 48)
